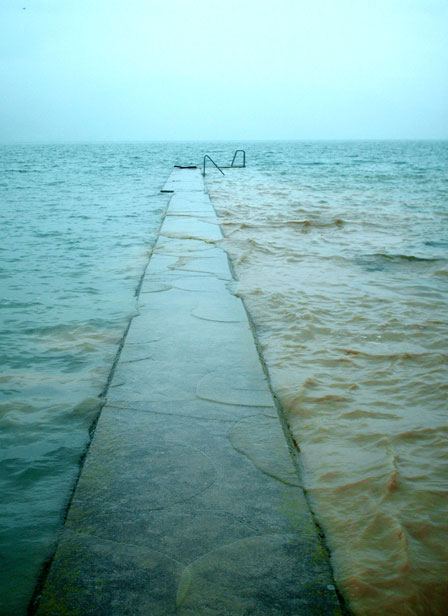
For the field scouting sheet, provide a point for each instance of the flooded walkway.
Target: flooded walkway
(188, 502)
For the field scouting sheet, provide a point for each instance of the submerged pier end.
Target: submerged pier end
(188, 502)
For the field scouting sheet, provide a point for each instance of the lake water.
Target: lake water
(341, 254)
(77, 223)
(341, 250)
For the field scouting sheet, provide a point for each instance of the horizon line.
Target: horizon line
(69, 141)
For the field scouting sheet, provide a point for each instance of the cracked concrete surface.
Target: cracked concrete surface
(188, 502)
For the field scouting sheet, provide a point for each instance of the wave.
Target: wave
(290, 222)
(382, 261)
(442, 357)
(358, 361)
(402, 257)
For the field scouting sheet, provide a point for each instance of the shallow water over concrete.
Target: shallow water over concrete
(189, 501)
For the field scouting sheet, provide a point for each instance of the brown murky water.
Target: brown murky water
(341, 256)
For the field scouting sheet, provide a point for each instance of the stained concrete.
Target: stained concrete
(188, 502)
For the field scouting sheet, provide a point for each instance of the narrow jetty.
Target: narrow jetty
(188, 502)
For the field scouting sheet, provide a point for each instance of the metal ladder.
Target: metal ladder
(232, 165)
(234, 157)
(211, 159)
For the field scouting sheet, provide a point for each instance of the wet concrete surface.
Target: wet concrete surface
(188, 502)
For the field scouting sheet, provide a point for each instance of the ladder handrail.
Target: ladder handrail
(244, 158)
(211, 159)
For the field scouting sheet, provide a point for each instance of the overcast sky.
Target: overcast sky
(223, 69)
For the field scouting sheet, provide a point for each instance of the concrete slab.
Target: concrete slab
(191, 227)
(184, 180)
(188, 502)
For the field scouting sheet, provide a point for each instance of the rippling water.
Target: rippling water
(341, 254)
(77, 223)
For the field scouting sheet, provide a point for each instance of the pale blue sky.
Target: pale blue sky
(223, 69)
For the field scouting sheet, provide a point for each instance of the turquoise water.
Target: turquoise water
(77, 223)
(349, 238)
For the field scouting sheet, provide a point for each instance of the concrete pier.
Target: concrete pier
(188, 502)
